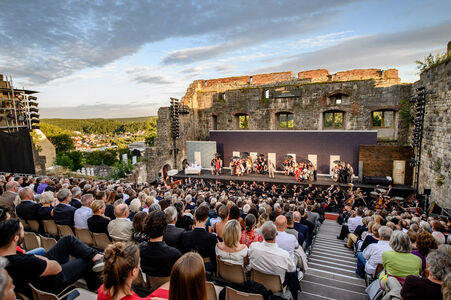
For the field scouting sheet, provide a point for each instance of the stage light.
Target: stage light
(34, 121)
(34, 109)
(32, 98)
(32, 103)
(35, 127)
(34, 115)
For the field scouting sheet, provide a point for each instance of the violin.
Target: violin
(380, 203)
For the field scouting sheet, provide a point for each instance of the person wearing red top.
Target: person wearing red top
(121, 268)
(248, 236)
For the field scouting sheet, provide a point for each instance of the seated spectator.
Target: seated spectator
(98, 223)
(76, 197)
(439, 265)
(187, 279)
(184, 221)
(400, 262)
(368, 260)
(63, 213)
(235, 214)
(310, 225)
(199, 239)
(231, 251)
(301, 228)
(52, 272)
(424, 244)
(82, 214)
(135, 207)
(173, 234)
(285, 240)
(121, 269)
(109, 210)
(372, 237)
(27, 209)
(157, 258)
(8, 197)
(121, 228)
(45, 211)
(267, 257)
(6, 283)
(290, 228)
(139, 223)
(249, 236)
(223, 213)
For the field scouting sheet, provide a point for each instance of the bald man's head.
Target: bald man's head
(297, 216)
(281, 223)
(26, 194)
(121, 211)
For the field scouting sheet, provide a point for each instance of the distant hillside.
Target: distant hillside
(98, 126)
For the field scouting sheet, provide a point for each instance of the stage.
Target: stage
(280, 178)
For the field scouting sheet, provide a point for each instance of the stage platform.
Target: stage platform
(401, 190)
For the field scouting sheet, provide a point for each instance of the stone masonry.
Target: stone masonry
(435, 173)
(217, 103)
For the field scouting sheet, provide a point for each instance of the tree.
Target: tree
(62, 142)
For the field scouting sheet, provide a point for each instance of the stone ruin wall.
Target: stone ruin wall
(435, 173)
(366, 89)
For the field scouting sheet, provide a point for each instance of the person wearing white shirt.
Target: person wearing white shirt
(284, 240)
(82, 214)
(121, 228)
(267, 257)
(353, 222)
(372, 255)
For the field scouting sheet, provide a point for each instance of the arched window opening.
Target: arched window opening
(286, 120)
(243, 121)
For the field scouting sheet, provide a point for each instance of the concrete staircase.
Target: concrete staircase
(331, 273)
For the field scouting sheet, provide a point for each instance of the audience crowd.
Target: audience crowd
(177, 234)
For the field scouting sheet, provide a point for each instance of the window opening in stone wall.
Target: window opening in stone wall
(333, 119)
(250, 79)
(205, 83)
(215, 122)
(286, 120)
(267, 94)
(243, 121)
(382, 118)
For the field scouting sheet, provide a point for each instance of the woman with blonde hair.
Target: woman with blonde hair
(223, 213)
(47, 201)
(230, 250)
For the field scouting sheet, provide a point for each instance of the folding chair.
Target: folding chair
(64, 230)
(101, 240)
(31, 240)
(232, 294)
(69, 293)
(50, 227)
(271, 282)
(34, 225)
(211, 291)
(25, 224)
(47, 242)
(230, 272)
(154, 282)
(84, 235)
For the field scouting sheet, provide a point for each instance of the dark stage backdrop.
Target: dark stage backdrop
(16, 154)
(323, 143)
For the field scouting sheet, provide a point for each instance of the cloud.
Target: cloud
(379, 50)
(44, 40)
(101, 110)
(225, 68)
(146, 75)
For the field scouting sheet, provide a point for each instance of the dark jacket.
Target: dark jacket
(75, 203)
(98, 224)
(63, 214)
(44, 213)
(28, 210)
(173, 236)
(157, 258)
(202, 242)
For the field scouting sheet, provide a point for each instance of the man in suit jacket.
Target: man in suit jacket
(8, 197)
(76, 197)
(27, 209)
(120, 229)
(63, 213)
(312, 216)
(173, 235)
(200, 240)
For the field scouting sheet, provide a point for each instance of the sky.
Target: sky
(113, 58)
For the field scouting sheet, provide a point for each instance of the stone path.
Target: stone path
(331, 273)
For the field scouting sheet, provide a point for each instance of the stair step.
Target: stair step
(326, 290)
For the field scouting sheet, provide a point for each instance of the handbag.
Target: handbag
(374, 290)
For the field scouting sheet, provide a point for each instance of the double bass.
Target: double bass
(380, 203)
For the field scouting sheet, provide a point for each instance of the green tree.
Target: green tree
(62, 142)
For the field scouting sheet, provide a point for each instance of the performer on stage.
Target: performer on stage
(271, 169)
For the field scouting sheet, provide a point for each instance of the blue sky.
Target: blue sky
(126, 58)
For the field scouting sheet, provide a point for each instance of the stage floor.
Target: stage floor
(282, 179)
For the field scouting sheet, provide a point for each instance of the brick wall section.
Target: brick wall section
(435, 172)
(258, 79)
(261, 79)
(357, 74)
(378, 160)
(314, 75)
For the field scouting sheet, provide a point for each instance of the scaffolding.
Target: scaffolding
(18, 107)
